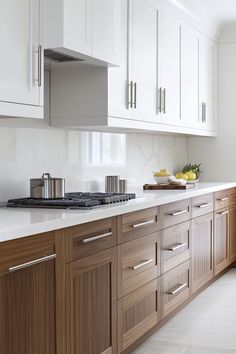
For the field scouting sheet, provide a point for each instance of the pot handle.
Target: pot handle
(46, 175)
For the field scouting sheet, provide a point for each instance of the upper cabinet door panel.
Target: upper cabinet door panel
(20, 37)
(106, 23)
(77, 28)
(169, 68)
(189, 76)
(143, 58)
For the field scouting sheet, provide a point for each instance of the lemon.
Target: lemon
(182, 175)
(164, 172)
(191, 175)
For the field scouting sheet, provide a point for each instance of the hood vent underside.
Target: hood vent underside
(59, 57)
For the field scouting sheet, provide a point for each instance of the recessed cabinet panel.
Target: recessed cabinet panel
(221, 240)
(232, 218)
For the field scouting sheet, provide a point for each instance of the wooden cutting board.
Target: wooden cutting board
(152, 187)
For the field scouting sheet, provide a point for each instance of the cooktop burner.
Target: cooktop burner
(76, 200)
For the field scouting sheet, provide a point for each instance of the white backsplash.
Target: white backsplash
(26, 153)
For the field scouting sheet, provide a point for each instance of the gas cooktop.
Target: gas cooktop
(76, 200)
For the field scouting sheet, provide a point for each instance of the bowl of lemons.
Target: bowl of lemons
(162, 176)
(190, 173)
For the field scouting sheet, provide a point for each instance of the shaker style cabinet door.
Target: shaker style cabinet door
(91, 304)
(221, 240)
(21, 62)
(232, 233)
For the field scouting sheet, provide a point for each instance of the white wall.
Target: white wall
(218, 154)
(26, 153)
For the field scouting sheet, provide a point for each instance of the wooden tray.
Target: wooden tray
(152, 187)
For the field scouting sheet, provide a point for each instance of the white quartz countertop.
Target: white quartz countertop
(22, 222)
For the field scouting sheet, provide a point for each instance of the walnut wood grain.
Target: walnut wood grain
(91, 304)
(27, 297)
(202, 250)
(232, 196)
(232, 232)
(137, 224)
(221, 240)
(76, 235)
(134, 253)
(179, 235)
(175, 213)
(179, 276)
(202, 205)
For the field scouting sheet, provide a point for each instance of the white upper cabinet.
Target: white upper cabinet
(21, 69)
(169, 70)
(142, 60)
(206, 84)
(87, 30)
(189, 76)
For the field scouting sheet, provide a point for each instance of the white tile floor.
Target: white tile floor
(206, 326)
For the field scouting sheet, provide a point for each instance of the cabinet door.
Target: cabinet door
(189, 76)
(232, 233)
(21, 60)
(27, 310)
(106, 23)
(221, 240)
(143, 58)
(90, 304)
(206, 83)
(202, 250)
(169, 69)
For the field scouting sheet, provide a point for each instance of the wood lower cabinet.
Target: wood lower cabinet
(91, 304)
(27, 296)
(232, 233)
(221, 240)
(138, 312)
(202, 250)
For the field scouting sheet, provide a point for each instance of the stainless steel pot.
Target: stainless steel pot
(47, 187)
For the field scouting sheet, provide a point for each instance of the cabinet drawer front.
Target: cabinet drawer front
(175, 246)
(89, 238)
(232, 196)
(27, 251)
(221, 199)
(202, 205)
(175, 288)
(138, 262)
(138, 313)
(138, 224)
(175, 213)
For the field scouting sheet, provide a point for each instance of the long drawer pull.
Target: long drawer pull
(205, 205)
(223, 199)
(98, 237)
(176, 246)
(31, 263)
(223, 213)
(179, 212)
(142, 264)
(177, 289)
(135, 226)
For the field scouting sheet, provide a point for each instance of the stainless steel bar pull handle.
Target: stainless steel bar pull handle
(177, 246)
(142, 264)
(98, 237)
(31, 263)
(177, 289)
(223, 199)
(179, 212)
(144, 223)
(205, 205)
(130, 94)
(135, 95)
(159, 100)
(40, 61)
(204, 112)
(164, 103)
(223, 213)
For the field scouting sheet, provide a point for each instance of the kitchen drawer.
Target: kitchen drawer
(138, 263)
(232, 196)
(137, 224)
(175, 213)
(89, 238)
(203, 204)
(175, 288)
(138, 313)
(175, 246)
(221, 199)
(26, 250)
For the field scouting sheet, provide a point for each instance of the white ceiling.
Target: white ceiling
(219, 11)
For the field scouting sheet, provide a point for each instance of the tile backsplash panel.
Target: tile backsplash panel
(26, 153)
